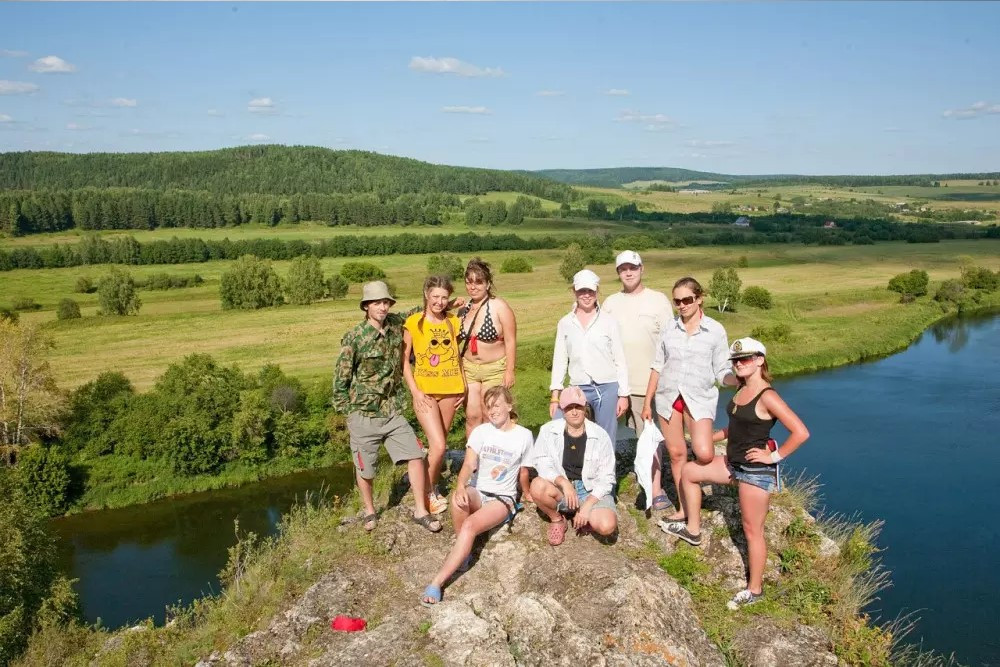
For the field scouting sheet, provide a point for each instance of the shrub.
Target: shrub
(68, 310)
(84, 285)
(573, 261)
(26, 303)
(43, 473)
(725, 288)
(742, 262)
(757, 297)
(191, 452)
(337, 286)
(445, 264)
(305, 282)
(779, 333)
(361, 272)
(976, 277)
(9, 314)
(911, 284)
(516, 265)
(251, 283)
(116, 294)
(637, 242)
(950, 290)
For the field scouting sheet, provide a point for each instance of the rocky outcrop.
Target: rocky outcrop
(524, 602)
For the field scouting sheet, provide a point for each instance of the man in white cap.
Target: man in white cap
(589, 346)
(368, 387)
(641, 313)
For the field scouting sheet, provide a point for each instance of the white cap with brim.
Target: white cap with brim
(628, 257)
(746, 347)
(375, 291)
(585, 279)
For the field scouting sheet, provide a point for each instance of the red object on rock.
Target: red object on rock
(348, 624)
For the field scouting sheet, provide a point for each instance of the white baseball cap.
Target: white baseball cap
(746, 347)
(628, 257)
(585, 279)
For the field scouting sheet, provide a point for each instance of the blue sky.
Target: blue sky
(735, 88)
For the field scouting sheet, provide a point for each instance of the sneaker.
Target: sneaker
(743, 598)
(436, 504)
(678, 529)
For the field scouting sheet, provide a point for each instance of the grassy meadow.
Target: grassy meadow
(834, 298)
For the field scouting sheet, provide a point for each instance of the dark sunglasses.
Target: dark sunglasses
(743, 360)
(686, 301)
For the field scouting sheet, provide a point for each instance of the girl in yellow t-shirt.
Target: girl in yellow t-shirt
(435, 375)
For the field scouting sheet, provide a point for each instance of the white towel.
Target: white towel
(645, 453)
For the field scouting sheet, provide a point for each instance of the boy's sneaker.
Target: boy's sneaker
(743, 598)
(436, 504)
(678, 529)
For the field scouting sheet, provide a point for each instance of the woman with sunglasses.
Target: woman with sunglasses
(575, 461)
(434, 375)
(692, 355)
(751, 461)
(488, 341)
(497, 449)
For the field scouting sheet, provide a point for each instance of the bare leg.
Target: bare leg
(547, 496)
(474, 409)
(701, 439)
(430, 421)
(482, 519)
(692, 477)
(603, 521)
(673, 432)
(524, 481)
(754, 502)
(365, 487)
(416, 469)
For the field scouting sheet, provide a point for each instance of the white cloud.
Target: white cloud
(973, 111)
(452, 66)
(52, 65)
(258, 136)
(464, 109)
(8, 53)
(16, 87)
(4, 118)
(651, 122)
(215, 112)
(124, 102)
(618, 92)
(550, 93)
(261, 105)
(709, 143)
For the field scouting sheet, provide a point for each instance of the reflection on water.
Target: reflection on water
(134, 561)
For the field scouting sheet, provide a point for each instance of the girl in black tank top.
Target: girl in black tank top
(748, 461)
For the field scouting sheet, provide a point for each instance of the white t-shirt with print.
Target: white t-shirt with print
(501, 454)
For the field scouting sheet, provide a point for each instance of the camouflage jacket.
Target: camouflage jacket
(368, 375)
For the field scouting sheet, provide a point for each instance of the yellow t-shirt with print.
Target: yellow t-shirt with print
(437, 369)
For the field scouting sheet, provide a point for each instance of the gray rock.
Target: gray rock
(764, 643)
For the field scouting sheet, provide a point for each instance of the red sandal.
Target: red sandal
(557, 532)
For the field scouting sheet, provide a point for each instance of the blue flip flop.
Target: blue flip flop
(433, 592)
(660, 502)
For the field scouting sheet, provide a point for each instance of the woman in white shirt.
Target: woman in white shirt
(497, 448)
(589, 346)
(693, 354)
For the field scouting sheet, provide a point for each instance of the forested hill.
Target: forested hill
(619, 176)
(279, 170)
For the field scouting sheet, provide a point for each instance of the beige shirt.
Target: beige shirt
(642, 318)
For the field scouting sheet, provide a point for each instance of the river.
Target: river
(910, 439)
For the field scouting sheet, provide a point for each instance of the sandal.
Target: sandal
(557, 532)
(428, 522)
(434, 593)
(661, 502)
(369, 521)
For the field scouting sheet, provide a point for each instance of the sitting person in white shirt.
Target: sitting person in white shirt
(497, 448)
(575, 461)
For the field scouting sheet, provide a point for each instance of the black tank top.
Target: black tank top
(746, 430)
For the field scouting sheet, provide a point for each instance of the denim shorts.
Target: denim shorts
(767, 477)
(605, 503)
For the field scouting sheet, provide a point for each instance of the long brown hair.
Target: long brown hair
(765, 374)
(500, 391)
(478, 268)
(430, 283)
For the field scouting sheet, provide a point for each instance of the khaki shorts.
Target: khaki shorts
(489, 374)
(367, 433)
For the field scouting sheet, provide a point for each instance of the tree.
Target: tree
(757, 297)
(516, 265)
(30, 403)
(116, 294)
(725, 288)
(304, 283)
(43, 473)
(597, 210)
(910, 285)
(84, 285)
(251, 283)
(445, 264)
(68, 310)
(361, 272)
(573, 261)
(337, 286)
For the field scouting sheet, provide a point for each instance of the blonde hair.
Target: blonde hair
(430, 283)
(500, 391)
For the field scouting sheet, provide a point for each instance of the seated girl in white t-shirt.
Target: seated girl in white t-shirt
(497, 448)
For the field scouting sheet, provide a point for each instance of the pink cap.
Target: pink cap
(571, 396)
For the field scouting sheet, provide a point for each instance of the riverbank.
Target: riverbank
(516, 604)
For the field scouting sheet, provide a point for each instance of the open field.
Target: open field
(834, 299)
(509, 198)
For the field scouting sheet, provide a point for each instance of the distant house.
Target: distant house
(742, 221)
(829, 224)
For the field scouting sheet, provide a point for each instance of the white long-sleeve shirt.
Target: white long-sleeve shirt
(592, 355)
(598, 474)
(690, 366)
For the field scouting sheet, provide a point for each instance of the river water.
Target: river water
(911, 439)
